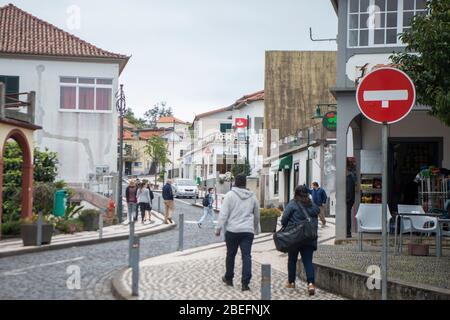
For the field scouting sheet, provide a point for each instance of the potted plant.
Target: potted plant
(90, 219)
(29, 230)
(268, 220)
(417, 248)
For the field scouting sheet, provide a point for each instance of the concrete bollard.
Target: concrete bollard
(39, 229)
(100, 223)
(135, 267)
(130, 244)
(159, 204)
(180, 231)
(266, 282)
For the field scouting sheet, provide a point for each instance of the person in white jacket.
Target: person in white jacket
(239, 220)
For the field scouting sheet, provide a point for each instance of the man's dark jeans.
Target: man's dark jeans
(307, 259)
(243, 241)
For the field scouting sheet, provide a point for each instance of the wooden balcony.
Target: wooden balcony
(19, 106)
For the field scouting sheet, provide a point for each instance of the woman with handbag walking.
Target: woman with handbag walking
(298, 210)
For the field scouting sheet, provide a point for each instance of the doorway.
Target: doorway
(287, 186)
(128, 168)
(407, 156)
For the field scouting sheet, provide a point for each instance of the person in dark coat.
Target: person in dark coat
(350, 196)
(167, 194)
(294, 214)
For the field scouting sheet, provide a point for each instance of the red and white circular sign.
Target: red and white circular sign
(386, 95)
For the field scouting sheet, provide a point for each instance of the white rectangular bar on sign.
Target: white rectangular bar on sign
(385, 96)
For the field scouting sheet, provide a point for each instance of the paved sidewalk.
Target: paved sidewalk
(196, 274)
(112, 233)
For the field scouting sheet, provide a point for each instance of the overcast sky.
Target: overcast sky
(195, 54)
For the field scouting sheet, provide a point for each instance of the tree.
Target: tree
(138, 122)
(427, 58)
(159, 110)
(241, 168)
(45, 172)
(156, 149)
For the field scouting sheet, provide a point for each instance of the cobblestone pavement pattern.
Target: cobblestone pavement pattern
(44, 275)
(201, 279)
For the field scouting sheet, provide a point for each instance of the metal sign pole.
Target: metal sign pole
(384, 255)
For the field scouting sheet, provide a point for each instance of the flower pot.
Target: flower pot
(418, 249)
(268, 224)
(90, 222)
(28, 232)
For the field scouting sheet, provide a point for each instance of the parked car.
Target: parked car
(185, 188)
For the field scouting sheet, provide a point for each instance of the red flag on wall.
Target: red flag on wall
(241, 123)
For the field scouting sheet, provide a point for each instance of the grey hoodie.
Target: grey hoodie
(239, 212)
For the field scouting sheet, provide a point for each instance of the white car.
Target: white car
(185, 188)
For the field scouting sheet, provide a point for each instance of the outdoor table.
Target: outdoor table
(408, 216)
(439, 236)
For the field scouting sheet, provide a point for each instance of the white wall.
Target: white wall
(82, 140)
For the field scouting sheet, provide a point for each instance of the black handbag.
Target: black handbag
(295, 235)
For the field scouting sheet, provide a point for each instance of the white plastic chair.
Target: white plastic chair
(369, 219)
(410, 224)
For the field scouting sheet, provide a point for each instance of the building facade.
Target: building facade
(368, 33)
(75, 83)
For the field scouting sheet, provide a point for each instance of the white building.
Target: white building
(218, 144)
(75, 84)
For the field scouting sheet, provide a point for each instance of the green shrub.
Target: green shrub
(69, 226)
(89, 213)
(11, 228)
(269, 213)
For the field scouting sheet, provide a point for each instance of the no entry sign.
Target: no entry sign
(386, 95)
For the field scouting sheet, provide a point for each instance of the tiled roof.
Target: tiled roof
(23, 33)
(170, 120)
(148, 134)
(257, 96)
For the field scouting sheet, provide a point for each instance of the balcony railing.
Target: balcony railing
(17, 106)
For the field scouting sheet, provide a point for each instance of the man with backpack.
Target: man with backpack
(208, 211)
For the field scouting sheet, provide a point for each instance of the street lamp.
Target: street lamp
(121, 109)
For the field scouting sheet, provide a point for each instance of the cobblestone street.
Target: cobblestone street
(43, 275)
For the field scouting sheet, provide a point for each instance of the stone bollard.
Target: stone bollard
(135, 267)
(180, 231)
(266, 282)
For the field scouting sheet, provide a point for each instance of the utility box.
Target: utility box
(59, 203)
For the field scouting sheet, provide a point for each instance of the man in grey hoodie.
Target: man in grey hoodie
(239, 218)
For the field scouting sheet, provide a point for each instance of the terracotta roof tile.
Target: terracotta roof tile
(170, 120)
(23, 33)
(257, 96)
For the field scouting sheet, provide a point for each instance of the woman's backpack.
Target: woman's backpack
(206, 201)
(294, 235)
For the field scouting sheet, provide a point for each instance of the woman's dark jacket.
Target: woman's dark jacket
(293, 215)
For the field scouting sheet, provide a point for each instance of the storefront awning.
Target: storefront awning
(285, 163)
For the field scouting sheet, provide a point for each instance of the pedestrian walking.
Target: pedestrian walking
(208, 211)
(144, 201)
(297, 210)
(350, 195)
(239, 219)
(132, 202)
(319, 197)
(169, 206)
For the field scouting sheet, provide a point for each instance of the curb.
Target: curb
(121, 293)
(83, 243)
(352, 285)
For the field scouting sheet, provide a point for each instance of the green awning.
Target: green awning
(285, 163)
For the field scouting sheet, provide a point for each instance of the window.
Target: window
(181, 153)
(373, 23)
(138, 164)
(11, 86)
(275, 183)
(296, 174)
(225, 127)
(86, 94)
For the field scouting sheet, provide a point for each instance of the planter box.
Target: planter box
(418, 249)
(90, 223)
(268, 224)
(28, 232)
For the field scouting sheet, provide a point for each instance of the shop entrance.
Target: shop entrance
(406, 158)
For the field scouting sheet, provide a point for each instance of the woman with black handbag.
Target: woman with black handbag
(298, 210)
